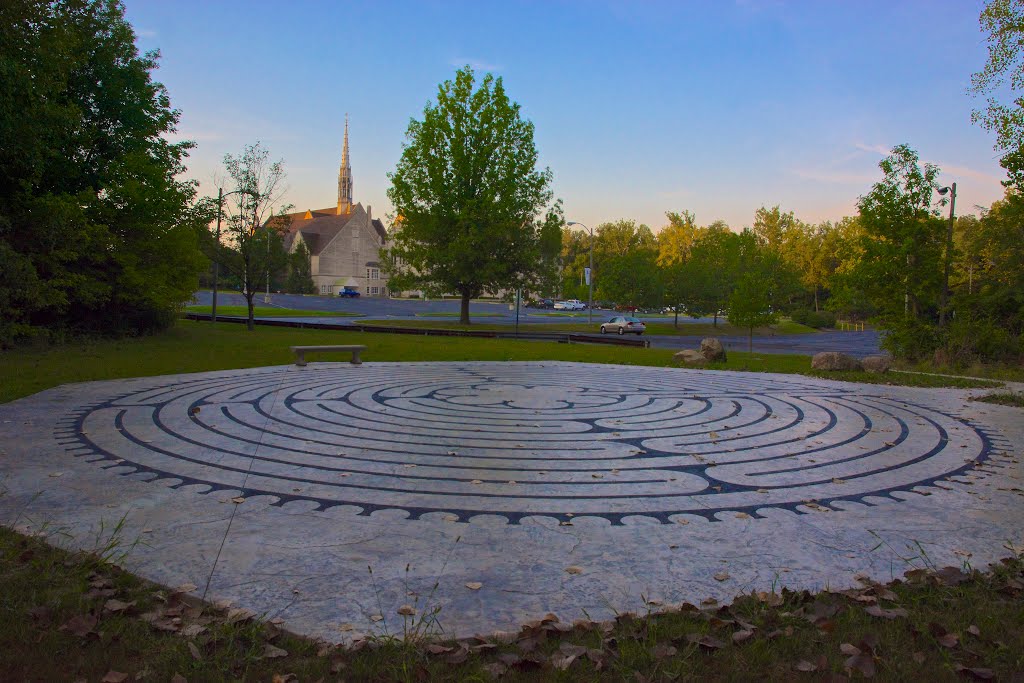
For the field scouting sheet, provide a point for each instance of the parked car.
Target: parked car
(541, 303)
(623, 324)
(563, 306)
(625, 308)
(349, 293)
(576, 304)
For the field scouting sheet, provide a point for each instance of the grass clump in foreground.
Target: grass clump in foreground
(75, 616)
(1004, 398)
(199, 346)
(268, 312)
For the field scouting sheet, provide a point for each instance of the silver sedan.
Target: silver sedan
(623, 324)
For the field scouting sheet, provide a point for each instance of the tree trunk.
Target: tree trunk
(677, 316)
(464, 311)
(716, 318)
(815, 298)
(248, 299)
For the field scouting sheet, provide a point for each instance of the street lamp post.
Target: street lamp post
(951, 189)
(590, 304)
(216, 264)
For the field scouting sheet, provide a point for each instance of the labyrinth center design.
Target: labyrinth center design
(518, 440)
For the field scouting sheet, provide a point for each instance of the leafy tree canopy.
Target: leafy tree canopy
(475, 210)
(1001, 83)
(96, 232)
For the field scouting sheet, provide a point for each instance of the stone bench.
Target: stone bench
(301, 351)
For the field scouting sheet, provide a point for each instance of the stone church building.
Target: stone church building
(344, 241)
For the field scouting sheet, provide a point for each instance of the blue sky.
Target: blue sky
(640, 107)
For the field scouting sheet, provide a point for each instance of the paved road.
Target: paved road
(855, 343)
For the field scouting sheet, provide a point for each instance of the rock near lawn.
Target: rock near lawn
(690, 356)
(876, 364)
(832, 360)
(712, 349)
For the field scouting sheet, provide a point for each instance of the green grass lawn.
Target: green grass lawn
(197, 346)
(268, 312)
(656, 328)
(69, 617)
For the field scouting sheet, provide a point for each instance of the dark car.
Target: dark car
(541, 303)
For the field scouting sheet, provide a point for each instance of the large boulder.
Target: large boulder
(712, 350)
(876, 364)
(833, 360)
(690, 357)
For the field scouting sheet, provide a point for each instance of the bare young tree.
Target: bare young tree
(249, 245)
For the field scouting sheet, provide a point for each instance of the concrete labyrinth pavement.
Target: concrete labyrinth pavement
(279, 487)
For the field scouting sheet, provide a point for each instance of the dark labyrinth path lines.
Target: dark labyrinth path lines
(527, 439)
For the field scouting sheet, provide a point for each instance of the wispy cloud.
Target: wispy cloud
(877, 149)
(965, 172)
(835, 177)
(145, 33)
(476, 64)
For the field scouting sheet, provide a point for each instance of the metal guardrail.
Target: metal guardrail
(561, 337)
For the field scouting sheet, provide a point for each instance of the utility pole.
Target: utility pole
(216, 262)
(944, 305)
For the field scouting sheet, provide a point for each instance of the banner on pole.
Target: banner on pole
(586, 275)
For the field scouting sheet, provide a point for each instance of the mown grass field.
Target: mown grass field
(197, 346)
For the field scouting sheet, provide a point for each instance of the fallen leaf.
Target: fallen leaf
(285, 678)
(476, 481)
(849, 650)
(273, 652)
(238, 499)
(721, 576)
(184, 588)
(706, 642)
(114, 677)
(574, 570)
(976, 673)
(663, 651)
(895, 613)
(474, 585)
(115, 606)
(56, 474)
(741, 636)
(407, 611)
(376, 617)
(742, 515)
(237, 615)
(194, 650)
(974, 630)
(81, 625)
(804, 665)
(193, 630)
(863, 662)
(344, 628)
(919, 657)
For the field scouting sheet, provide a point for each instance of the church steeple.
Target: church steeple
(345, 178)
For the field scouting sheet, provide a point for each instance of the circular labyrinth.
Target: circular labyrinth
(523, 439)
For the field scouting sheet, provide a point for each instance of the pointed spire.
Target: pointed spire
(345, 177)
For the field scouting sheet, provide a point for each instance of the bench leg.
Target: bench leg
(355, 358)
(300, 358)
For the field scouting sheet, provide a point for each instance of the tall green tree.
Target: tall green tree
(1001, 82)
(300, 277)
(901, 264)
(475, 207)
(676, 238)
(97, 233)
